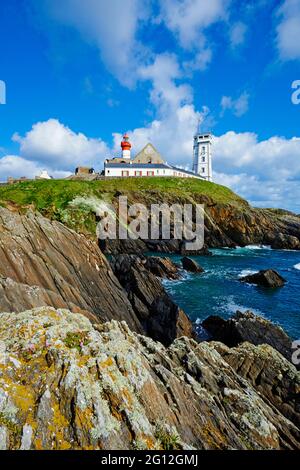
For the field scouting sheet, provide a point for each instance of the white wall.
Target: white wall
(117, 172)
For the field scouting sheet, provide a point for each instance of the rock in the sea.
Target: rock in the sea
(285, 242)
(161, 318)
(245, 326)
(266, 278)
(190, 265)
(162, 267)
(66, 384)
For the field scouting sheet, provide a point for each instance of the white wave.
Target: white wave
(247, 272)
(258, 247)
(231, 307)
(297, 266)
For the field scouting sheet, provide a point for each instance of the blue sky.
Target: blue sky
(78, 74)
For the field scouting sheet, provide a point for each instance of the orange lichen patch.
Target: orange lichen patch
(83, 360)
(84, 419)
(213, 436)
(109, 362)
(37, 444)
(126, 395)
(58, 427)
(149, 441)
(22, 397)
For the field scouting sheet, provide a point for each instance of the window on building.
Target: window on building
(203, 170)
(150, 173)
(203, 149)
(203, 159)
(125, 173)
(138, 173)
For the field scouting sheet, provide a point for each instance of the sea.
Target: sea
(219, 291)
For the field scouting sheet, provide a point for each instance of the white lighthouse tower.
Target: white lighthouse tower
(202, 160)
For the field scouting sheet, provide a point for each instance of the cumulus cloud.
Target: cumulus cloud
(111, 26)
(189, 18)
(201, 61)
(288, 30)
(53, 144)
(166, 94)
(265, 172)
(238, 106)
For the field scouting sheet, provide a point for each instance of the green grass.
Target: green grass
(60, 192)
(53, 198)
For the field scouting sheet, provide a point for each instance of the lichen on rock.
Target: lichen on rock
(120, 390)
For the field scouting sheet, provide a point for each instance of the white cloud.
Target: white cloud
(238, 34)
(265, 172)
(239, 107)
(288, 30)
(200, 62)
(189, 18)
(166, 94)
(110, 25)
(16, 166)
(55, 145)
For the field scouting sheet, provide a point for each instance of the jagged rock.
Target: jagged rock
(161, 318)
(276, 380)
(190, 265)
(162, 267)
(249, 327)
(49, 264)
(65, 384)
(45, 263)
(285, 242)
(267, 278)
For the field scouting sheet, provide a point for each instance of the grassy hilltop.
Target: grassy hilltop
(64, 200)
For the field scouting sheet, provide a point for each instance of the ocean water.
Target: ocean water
(219, 292)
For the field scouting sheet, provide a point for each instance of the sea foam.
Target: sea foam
(297, 266)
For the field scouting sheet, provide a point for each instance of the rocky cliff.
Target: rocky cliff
(66, 384)
(229, 220)
(45, 263)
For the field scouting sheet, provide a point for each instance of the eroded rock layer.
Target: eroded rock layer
(66, 384)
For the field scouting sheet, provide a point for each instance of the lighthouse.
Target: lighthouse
(202, 161)
(126, 147)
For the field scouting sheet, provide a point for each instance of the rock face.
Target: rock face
(249, 327)
(162, 267)
(65, 384)
(190, 265)
(161, 318)
(226, 225)
(267, 278)
(47, 264)
(261, 367)
(43, 263)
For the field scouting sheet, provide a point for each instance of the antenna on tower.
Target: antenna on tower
(198, 125)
